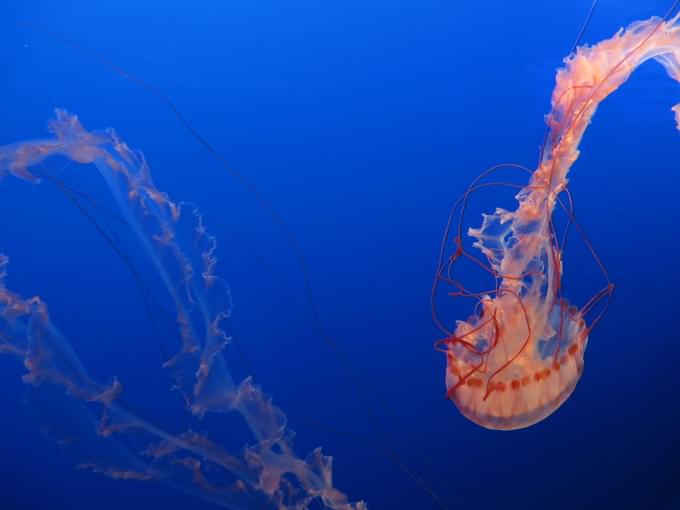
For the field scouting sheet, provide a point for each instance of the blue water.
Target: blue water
(360, 123)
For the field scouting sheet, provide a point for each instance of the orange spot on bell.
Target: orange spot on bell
(474, 382)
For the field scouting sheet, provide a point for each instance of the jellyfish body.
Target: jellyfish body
(520, 355)
(524, 388)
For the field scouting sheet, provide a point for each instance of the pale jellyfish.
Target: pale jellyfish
(266, 473)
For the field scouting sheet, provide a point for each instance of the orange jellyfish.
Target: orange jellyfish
(520, 355)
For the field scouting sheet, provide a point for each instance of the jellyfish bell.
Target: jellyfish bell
(511, 368)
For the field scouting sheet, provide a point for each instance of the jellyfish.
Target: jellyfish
(119, 441)
(520, 354)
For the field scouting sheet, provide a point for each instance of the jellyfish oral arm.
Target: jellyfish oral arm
(265, 474)
(520, 356)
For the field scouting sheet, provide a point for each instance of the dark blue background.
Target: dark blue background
(360, 122)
